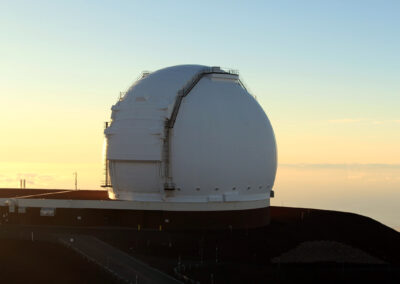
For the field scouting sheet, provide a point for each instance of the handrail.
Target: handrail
(189, 86)
(142, 75)
(121, 96)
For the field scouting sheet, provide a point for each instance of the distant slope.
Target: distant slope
(352, 229)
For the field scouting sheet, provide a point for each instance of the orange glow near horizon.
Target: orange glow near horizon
(342, 164)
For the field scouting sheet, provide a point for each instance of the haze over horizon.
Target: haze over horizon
(326, 73)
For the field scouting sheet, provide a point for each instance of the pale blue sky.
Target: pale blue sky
(309, 52)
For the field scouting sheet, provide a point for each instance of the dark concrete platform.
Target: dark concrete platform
(68, 208)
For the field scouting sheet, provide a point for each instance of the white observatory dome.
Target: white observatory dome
(191, 138)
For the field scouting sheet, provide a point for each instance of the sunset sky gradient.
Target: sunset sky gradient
(327, 73)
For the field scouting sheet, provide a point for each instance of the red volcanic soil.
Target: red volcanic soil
(41, 262)
(54, 193)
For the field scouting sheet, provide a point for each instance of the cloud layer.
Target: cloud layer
(364, 120)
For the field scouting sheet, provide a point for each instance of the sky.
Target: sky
(325, 72)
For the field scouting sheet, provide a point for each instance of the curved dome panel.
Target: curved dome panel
(223, 146)
(190, 134)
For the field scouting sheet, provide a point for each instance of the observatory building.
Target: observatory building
(191, 139)
(190, 166)
(187, 148)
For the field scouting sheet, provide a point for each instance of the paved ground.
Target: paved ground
(123, 266)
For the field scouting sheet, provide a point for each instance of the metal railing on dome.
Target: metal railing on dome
(192, 83)
(142, 75)
(121, 96)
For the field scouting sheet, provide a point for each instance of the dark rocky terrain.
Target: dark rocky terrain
(300, 245)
